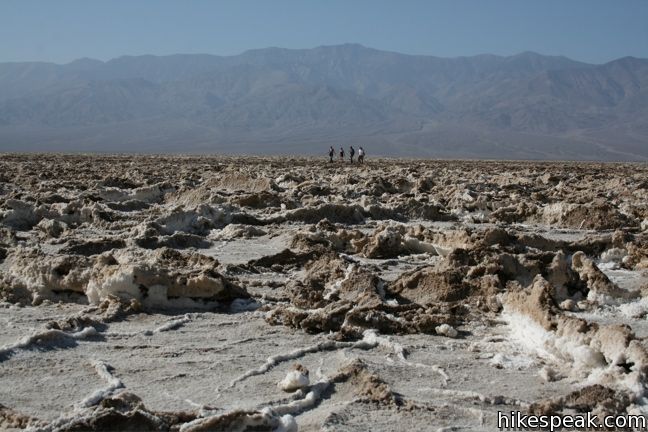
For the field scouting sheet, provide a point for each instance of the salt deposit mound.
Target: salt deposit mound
(157, 279)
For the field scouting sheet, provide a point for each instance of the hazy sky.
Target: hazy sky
(589, 30)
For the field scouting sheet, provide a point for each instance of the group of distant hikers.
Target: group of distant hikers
(361, 154)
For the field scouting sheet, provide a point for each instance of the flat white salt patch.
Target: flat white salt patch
(242, 250)
(626, 279)
(511, 361)
(552, 233)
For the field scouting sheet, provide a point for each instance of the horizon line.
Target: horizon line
(92, 59)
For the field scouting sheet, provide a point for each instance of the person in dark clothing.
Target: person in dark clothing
(341, 154)
(331, 154)
(351, 153)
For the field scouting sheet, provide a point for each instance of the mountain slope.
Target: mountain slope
(280, 101)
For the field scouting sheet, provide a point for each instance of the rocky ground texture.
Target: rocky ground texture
(285, 294)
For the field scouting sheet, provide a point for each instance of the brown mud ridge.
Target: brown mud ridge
(356, 254)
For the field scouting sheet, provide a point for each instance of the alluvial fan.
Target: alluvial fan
(234, 294)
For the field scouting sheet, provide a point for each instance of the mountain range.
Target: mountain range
(285, 101)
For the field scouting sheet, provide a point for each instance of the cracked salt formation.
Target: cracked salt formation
(603, 354)
(44, 339)
(103, 370)
(410, 292)
(155, 279)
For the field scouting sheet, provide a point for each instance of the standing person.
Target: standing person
(331, 154)
(341, 154)
(351, 153)
(361, 154)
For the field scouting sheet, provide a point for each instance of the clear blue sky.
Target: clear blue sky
(589, 30)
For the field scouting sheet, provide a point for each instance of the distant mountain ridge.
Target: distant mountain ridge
(275, 100)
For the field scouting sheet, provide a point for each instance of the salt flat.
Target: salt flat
(175, 293)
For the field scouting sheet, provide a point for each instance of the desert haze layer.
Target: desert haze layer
(282, 101)
(284, 294)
